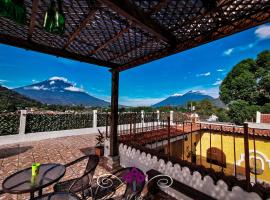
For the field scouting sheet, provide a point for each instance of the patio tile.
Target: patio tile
(60, 150)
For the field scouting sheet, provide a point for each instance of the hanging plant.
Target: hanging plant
(54, 20)
(14, 10)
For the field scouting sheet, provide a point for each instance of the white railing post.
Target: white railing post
(94, 118)
(258, 117)
(22, 122)
(158, 117)
(142, 117)
(171, 117)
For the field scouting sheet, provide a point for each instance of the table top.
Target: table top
(20, 182)
(58, 196)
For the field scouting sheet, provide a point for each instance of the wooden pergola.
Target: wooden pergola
(121, 34)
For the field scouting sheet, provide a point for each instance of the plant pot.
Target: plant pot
(99, 150)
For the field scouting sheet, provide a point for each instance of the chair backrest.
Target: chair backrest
(91, 165)
(85, 180)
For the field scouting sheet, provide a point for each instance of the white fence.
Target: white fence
(131, 157)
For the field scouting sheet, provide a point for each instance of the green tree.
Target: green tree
(240, 83)
(222, 115)
(238, 111)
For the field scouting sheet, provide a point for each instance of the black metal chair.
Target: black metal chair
(58, 196)
(82, 183)
(123, 177)
(1, 192)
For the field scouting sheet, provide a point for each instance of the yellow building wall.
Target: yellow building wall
(262, 155)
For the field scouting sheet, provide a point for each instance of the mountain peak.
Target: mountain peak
(176, 95)
(59, 90)
(181, 100)
(58, 78)
(194, 92)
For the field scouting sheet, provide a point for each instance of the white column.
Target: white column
(142, 117)
(94, 118)
(22, 122)
(158, 117)
(258, 117)
(171, 117)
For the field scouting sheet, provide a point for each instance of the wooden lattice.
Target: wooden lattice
(126, 33)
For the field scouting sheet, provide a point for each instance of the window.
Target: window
(258, 164)
(216, 157)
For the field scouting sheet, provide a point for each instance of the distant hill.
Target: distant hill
(182, 100)
(10, 99)
(60, 91)
(218, 103)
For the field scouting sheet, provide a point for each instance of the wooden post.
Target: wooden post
(234, 152)
(169, 135)
(114, 113)
(246, 145)
(255, 156)
(107, 123)
(200, 144)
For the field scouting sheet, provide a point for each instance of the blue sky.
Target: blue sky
(201, 68)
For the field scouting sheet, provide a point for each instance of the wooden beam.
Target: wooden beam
(128, 10)
(27, 44)
(90, 15)
(114, 114)
(33, 18)
(119, 34)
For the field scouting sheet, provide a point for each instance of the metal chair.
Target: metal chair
(125, 176)
(82, 183)
(58, 196)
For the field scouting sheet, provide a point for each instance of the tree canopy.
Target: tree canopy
(247, 87)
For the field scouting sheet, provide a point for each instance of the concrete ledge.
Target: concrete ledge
(30, 137)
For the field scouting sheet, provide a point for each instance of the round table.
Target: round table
(58, 196)
(20, 182)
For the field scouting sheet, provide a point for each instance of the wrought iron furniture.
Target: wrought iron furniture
(82, 183)
(58, 196)
(21, 182)
(131, 178)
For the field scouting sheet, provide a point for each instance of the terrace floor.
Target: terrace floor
(59, 150)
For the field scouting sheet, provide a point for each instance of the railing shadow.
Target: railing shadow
(13, 151)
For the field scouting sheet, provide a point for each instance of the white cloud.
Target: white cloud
(127, 101)
(220, 70)
(42, 87)
(177, 95)
(214, 91)
(228, 52)
(57, 78)
(74, 89)
(204, 74)
(218, 82)
(52, 82)
(263, 32)
(2, 81)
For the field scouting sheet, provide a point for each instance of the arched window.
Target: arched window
(258, 164)
(216, 156)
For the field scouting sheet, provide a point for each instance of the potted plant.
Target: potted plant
(99, 148)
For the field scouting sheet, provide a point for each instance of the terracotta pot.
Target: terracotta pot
(99, 150)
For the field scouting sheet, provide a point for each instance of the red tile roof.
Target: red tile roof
(265, 118)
